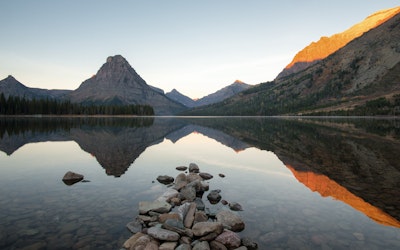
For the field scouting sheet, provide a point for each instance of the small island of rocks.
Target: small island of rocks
(179, 219)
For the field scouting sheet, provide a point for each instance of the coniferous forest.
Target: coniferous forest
(14, 105)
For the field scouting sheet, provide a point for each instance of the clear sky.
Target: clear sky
(196, 47)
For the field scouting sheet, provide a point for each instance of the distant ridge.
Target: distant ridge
(218, 96)
(181, 98)
(317, 51)
(10, 86)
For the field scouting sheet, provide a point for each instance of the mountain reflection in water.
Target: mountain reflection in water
(352, 160)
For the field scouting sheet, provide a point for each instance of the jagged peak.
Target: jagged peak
(10, 77)
(116, 58)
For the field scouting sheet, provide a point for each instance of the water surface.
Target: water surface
(303, 183)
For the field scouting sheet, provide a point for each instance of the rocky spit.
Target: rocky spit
(179, 219)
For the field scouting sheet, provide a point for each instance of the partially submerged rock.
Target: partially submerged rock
(165, 179)
(71, 178)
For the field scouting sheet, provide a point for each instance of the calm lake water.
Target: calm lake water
(303, 183)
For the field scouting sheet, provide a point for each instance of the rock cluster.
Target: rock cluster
(179, 219)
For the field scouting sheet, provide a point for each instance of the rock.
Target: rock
(181, 168)
(203, 228)
(163, 217)
(147, 219)
(183, 209)
(189, 218)
(251, 245)
(229, 239)
(191, 177)
(209, 237)
(201, 245)
(214, 197)
(185, 240)
(71, 178)
(206, 176)
(152, 245)
(200, 204)
(168, 195)
(130, 243)
(193, 168)
(180, 181)
(235, 206)
(230, 220)
(174, 225)
(175, 201)
(168, 246)
(134, 226)
(142, 242)
(222, 175)
(216, 245)
(163, 234)
(224, 202)
(165, 179)
(184, 247)
(156, 206)
(200, 216)
(187, 193)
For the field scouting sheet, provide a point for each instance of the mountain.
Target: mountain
(181, 98)
(224, 93)
(117, 82)
(321, 49)
(12, 87)
(361, 75)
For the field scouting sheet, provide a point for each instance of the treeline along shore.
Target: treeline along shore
(14, 105)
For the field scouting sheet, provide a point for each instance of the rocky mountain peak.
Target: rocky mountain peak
(117, 70)
(117, 83)
(238, 82)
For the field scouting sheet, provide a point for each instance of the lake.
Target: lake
(304, 183)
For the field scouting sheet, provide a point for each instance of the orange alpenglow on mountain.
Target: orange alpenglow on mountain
(328, 45)
(329, 188)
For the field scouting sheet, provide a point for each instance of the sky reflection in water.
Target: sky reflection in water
(283, 207)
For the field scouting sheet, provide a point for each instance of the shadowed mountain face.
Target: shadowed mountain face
(352, 160)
